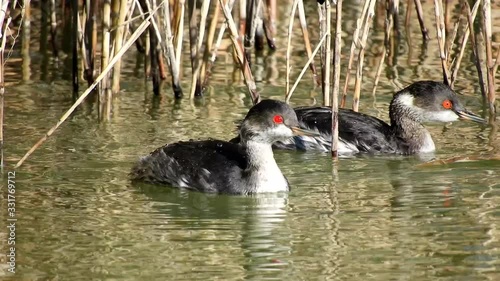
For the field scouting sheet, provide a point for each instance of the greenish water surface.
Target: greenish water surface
(374, 218)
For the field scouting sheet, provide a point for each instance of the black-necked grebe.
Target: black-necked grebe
(423, 101)
(222, 167)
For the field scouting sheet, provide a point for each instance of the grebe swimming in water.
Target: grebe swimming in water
(423, 101)
(217, 166)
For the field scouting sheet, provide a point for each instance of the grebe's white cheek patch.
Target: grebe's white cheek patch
(406, 99)
(282, 132)
(441, 116)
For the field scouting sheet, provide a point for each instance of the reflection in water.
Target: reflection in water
(252, 222)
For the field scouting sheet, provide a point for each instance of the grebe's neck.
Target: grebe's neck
(263, 174)
(406, 124)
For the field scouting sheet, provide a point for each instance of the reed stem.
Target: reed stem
(245, 67)
(361, 55)
(179, 31)
(106, 37)
(441, 37)
(144, 25)
(210, 42)
(289, 46)
(420, 15)
(355, 39)
(490, 65)
(318, 47)
(465, 38)
(336, 80)
(328, 55)
(215, 48)
(74, 47)
(475, 50)
(307, 41)
(53, 28)
(3, 32)
(171, 59)
(118, 43)
(196, 79)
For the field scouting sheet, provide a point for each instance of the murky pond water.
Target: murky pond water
(377, 218)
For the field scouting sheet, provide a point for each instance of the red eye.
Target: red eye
(278, 119)
(447, 104)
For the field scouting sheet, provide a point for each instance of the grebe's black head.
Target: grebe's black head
(270, 121)
(429, 101)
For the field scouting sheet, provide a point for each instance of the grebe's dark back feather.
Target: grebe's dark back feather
(167, 164)
(355, 128)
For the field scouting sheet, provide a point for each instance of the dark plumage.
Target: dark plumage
(217, 166)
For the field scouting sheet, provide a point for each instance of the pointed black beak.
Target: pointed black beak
(467, 115)
(304, 132)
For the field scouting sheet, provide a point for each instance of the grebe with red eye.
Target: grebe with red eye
(423, 101)
(223, 167)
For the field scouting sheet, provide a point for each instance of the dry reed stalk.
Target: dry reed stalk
(106, 38)
(394, 14)
(355, 39)
(243, 19)
(489, 58)
(154, 36)
(318, 47)
(458, 59)
(289, 46)
(170, 51)
(388, 29)
(475, 49)
(245, 67)
(248, 37)
(328, 55)
(497, 61)
(26, 44)
(118, 44)
(447, 13)
(91, 42)
(193, 34)
(209, 43)
(104, 72)
(361, 55)
(196, 79)
(53, 28)
(74, 47)
(252, 21)
(441, 37)
(336, 80)
(270, 23)
(307, 41)
(82, 39)
(322, 31)
(408, 15)
(179, 31)
(3, 12)
(147, 54)
(215, 48)
(420, 15)
(451, 42)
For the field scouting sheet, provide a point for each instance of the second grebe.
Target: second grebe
(223, 167)
(423, 101)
